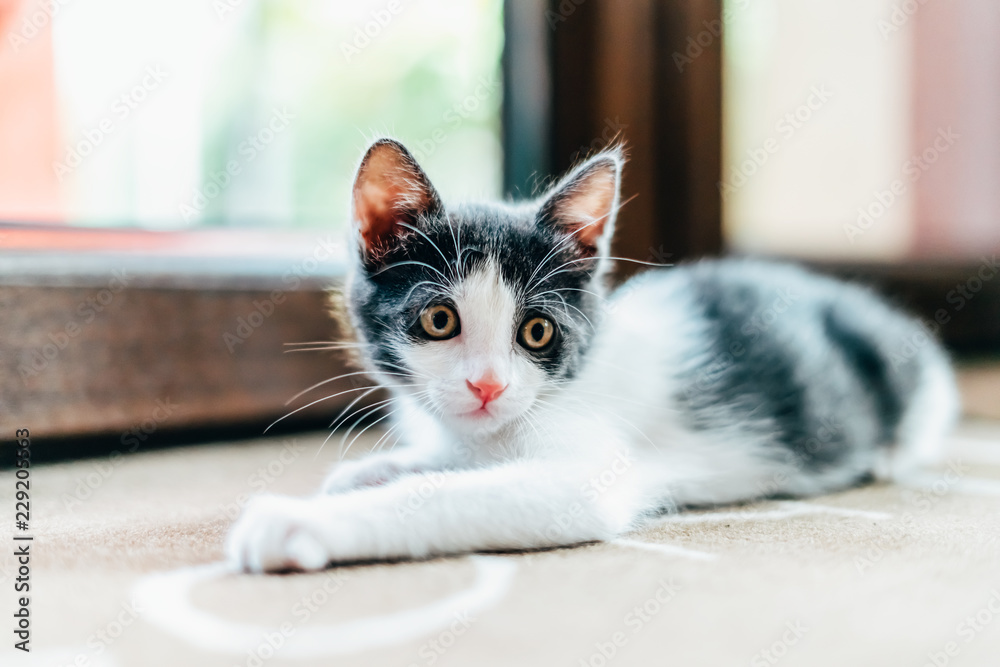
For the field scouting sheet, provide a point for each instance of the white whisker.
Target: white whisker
(319, 400)
(434, 245)
(409, 262)
(334, 379)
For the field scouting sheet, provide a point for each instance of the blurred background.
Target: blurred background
(882, 115)
(126, 113)
(207, 148)
(125, 110)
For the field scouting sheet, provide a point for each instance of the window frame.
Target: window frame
(629, 61)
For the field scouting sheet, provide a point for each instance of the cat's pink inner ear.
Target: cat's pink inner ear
(587, 206)
(390, 189)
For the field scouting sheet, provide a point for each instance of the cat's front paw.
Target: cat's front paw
(277, 533)
(366, 472)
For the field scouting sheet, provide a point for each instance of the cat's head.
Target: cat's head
(478, 311)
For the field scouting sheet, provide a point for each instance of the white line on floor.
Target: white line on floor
(166, 598)
(668, 549)
(786, 510)
(809, 508)
(974, 450)
(973, 486)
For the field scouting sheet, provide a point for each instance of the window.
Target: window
(877, 141)
(174, 183)
(237, 113)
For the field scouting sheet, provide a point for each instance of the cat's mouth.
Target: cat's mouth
(482, 412)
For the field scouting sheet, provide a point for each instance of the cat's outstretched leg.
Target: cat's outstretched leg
(513, 506)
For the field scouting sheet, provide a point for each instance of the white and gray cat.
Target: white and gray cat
(536, 411)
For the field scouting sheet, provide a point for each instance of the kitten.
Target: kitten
(538, 412)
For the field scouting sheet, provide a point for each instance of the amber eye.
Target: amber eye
(439, 322)
(536, 333)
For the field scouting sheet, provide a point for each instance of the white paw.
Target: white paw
(366, 472)
(277, 533)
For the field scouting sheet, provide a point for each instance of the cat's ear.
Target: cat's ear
(391, 193)
(585, 202)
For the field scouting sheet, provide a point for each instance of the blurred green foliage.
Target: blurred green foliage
(427, 73)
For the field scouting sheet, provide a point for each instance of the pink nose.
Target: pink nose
(486, 389)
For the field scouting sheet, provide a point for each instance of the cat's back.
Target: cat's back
(742, 301)
(770, 347)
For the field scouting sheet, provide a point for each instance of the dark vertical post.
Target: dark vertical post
(612, 72)
(527, 95)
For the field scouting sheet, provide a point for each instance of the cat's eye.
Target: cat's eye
(439, 322)
(536, 333)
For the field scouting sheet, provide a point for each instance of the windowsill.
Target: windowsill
(102, 326)
(101, 333)
(63, 256)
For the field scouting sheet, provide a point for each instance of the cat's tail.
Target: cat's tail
(932, 409)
